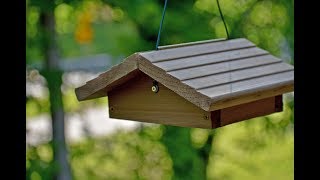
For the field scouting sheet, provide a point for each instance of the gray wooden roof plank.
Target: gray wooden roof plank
(195, 61)
(238, 75)
(195, 50)
(221, 67)
(217, 92)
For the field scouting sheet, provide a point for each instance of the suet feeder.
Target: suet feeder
(204, 84)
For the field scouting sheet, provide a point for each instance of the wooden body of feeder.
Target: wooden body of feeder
(206, 84)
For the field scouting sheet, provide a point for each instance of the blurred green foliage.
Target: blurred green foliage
(40, 105)
(250, 149)
(261, 148)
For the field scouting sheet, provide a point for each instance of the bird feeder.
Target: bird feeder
(204, 84)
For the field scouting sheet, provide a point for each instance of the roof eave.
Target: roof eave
(99, 86)
(119, 74)
(233, 99)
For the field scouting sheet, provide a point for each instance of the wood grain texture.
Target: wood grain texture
(134, 100)
(247, 111)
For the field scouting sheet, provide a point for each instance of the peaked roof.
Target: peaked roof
(211, 74)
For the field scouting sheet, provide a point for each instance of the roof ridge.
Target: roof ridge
(207, 53)
(191, 43)
(196, 50)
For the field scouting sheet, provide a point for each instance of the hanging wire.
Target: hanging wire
(224, 23)
(160, 28)
(164, 12)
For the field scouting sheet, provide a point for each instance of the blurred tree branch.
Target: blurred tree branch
(53, 75)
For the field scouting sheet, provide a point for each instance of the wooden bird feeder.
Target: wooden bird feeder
(204, 84)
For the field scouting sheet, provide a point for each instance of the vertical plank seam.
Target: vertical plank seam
(278, 103)
(215, 119)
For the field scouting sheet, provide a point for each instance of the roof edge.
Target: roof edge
(99, 86)
(254, 94)
(119, 74)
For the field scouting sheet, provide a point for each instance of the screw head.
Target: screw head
(206, 117)
(155, 88)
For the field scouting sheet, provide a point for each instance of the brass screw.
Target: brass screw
(155, 88)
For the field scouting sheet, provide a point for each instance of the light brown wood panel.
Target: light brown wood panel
(169, 118)
(166, 54)
(174, 84)
(134, 100)
(201, 60)
(205, 70)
